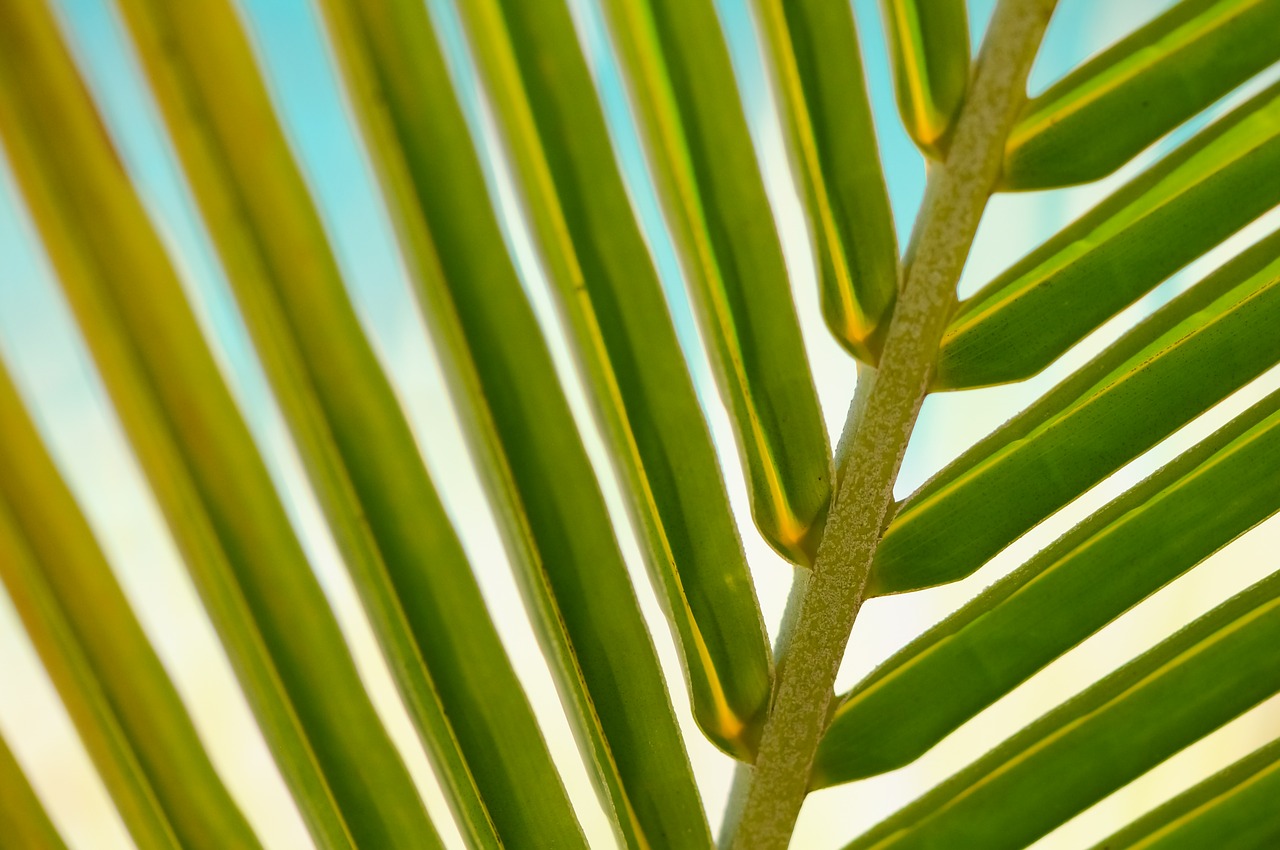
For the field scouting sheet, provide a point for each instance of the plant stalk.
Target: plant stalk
(880, 423)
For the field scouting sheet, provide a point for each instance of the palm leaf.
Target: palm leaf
(1126, 551)
(1183, 206)
(361, 455)
(818, 67)
(714, 196)
(1233, 809)
(869, 455)
(22, 819)
(1173, 366)
(929, 42)
(198, 453)
(129, 715)
(560, 536)
(509, 129)
(610, 291)
(1103, 113)
(1187, 686)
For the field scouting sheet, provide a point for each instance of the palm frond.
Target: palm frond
(714, 195)
(1233, 809)
(559, 532)
(198, 454)
(1117, 557)
(1103, 113)
(929, 43)
(1105, 260)
(611, 294)
(357, 446)
(1187, 686)
(503, 134)
(124, 706)
(1173, 366)
(22, 818)
(817, 66)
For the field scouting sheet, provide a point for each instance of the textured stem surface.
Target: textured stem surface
(880, 424)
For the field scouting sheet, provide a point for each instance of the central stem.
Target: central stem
(880, 423)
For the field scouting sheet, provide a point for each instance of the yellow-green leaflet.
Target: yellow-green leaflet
(818, 69)
(1235, 809)
(349, 780)
(538, 476)
(362, 459)
(1169, 697)
(1102, 114)
(22, 819)
(125, 709)
(706, 168)
(1181, 207)
(929, 49)
(610, 292)
(1139, 542)
(1167, 370)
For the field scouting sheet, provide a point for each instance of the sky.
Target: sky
(41, 347)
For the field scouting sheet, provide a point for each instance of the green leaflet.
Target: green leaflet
(1184, 358)
(1169, 697)
(1103, 113)
(1110, 562)
(713, 193)
(280, 634)
(929, 49)
(359, 452)
(610, 292)
(1165, 218)
(1235, 809)
(818, 69)
(122, 702)
(23, 820)
(538, 475)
